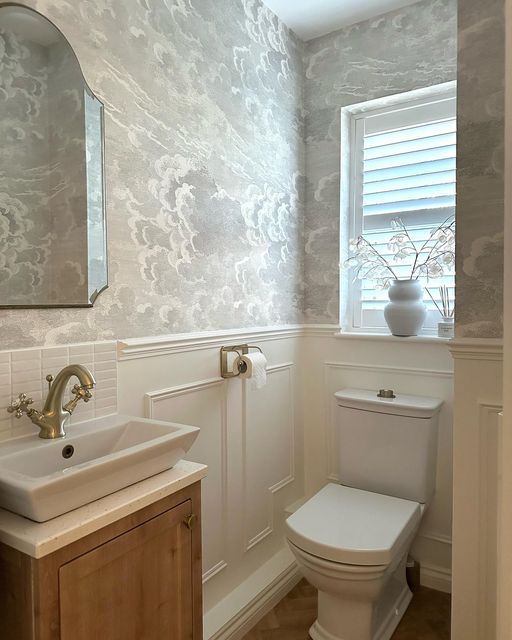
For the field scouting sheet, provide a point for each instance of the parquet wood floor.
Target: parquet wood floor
(427, 618)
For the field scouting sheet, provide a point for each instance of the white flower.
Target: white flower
(434, 269)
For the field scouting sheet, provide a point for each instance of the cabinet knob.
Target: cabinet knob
(190, 521)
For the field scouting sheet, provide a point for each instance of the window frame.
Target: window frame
(351, 217)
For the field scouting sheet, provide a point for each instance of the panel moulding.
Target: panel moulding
(151, 400)
(252, 541)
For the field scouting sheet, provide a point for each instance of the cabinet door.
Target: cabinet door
(135, 587)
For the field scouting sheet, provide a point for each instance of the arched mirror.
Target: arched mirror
(52, 202)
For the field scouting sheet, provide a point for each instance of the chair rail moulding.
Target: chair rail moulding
(476, 348)
(372, 368)
(131, 348)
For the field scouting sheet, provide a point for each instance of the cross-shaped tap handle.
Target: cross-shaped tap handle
(20, 405)
(82, 393)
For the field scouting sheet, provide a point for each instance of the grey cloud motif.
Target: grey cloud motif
(213, 222)
(485, 258)
(204, 167)
(480, 170)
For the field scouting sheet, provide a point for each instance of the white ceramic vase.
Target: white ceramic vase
(405, 313)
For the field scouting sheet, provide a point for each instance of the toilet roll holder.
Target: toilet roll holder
(241, 350)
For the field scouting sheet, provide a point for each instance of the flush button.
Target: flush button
(386, 393)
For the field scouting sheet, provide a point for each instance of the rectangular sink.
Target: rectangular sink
(42, 479)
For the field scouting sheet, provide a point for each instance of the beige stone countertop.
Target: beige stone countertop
(38, 539)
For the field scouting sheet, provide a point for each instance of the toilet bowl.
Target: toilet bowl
(351, 540)
(352, 546)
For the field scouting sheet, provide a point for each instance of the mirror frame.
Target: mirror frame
(93, 298)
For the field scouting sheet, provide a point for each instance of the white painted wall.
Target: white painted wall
(270, 448)
(266, 449)
(478, 401)
(252, 442)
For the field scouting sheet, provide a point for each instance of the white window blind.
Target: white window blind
(402, 164)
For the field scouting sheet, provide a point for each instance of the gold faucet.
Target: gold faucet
(52, 418)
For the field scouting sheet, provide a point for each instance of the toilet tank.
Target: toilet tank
(388, 445)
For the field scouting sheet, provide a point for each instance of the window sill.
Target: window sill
(384, 337)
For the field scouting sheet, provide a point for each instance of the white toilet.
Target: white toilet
(351, 540)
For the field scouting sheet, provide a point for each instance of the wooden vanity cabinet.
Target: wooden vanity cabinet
(136, 579)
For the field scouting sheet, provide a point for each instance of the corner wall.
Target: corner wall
(477, 403)
(479, 316)
(480, 167)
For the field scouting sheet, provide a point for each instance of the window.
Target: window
(402, 164)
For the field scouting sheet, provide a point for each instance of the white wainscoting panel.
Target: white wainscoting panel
(251, 440)
(478, 401)
(203, 404)
(268, 449)
(488, 521)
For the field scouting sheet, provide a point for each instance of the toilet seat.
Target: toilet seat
(353, 527)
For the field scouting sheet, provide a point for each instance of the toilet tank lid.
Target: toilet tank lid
(401, 405)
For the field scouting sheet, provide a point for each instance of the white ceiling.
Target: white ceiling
(312, 18)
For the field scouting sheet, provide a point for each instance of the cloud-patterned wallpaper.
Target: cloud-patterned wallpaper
(222, 159)
(480, 168)
(400, 51)
(204, 165)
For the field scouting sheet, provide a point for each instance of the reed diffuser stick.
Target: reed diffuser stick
(447, 308)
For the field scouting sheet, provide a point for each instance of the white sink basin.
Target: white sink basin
(107, 454)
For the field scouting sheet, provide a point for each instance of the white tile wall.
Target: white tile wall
(25, 371)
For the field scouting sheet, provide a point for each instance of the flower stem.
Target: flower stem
(376, 253)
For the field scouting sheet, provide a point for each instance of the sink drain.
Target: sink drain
(68, 451)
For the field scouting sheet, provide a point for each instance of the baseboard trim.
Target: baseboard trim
(436, 537)
(436, 578)
(238, 625)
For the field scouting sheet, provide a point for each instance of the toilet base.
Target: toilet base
(386, 628)
(363, 620)
(394, 614)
